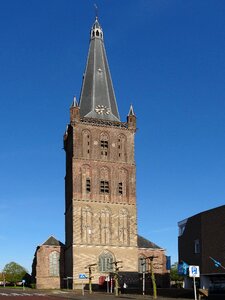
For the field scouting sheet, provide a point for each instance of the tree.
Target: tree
(175, 278)
(14, 272)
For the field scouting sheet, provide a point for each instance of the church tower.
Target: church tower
(100, 181)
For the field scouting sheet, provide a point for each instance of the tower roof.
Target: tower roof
(52, 241)
(97, 98)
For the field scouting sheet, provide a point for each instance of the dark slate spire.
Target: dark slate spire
(97, 98)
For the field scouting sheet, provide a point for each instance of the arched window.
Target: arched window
(104, 184)
(122, 189)
(86, 180)
(142, 264)
(54, 263)
(104, 145)
(105, 262)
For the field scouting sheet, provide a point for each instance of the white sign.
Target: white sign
(194, 271)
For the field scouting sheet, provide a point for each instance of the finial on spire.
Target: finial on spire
(96, 11)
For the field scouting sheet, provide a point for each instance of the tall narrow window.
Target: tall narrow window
(88, 185)
(197, 246)
(54, 263)
(86, 137)
(104, 187)
(121, 147)
(104, 148)
(120, 188)
(104, 145)
(86, 181)
(122, 185)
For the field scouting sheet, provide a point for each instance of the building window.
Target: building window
(54, 263)
(120, 188)
(121, 147)
(105, 262)
(197, 246)
(86, 143)
(88, 185)
(104, 148)
(104, 187)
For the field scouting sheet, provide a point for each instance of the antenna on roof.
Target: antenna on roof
(96, 10)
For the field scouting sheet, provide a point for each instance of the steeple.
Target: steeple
(97, 98)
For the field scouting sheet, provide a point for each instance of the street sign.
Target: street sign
(82, 276)
(194, 271)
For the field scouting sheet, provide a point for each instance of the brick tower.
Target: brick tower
(100, 181)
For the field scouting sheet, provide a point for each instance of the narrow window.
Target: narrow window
(197, 246)
(104, 148)
(120, 188)
(88, 185)
(104, 187)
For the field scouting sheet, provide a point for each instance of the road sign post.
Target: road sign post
(194, 272)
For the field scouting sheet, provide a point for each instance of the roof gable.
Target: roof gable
(144, 243)
(52, 241)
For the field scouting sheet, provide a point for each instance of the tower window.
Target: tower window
(104, 148)
(120, 188)
(104, 187)
(88, 185)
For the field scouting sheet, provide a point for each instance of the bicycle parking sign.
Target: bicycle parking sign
(194, 271)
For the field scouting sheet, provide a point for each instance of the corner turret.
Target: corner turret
(131, 119)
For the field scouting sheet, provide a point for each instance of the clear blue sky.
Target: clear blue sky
(166, 58)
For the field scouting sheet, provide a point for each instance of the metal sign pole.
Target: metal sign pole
(194, 288)
(82, 288)
(143, 287)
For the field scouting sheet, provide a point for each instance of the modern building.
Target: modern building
(100, 183)
(201, 243)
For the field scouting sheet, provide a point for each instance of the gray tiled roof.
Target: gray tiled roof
(51, 241)
(144, 243)
(97, 98)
